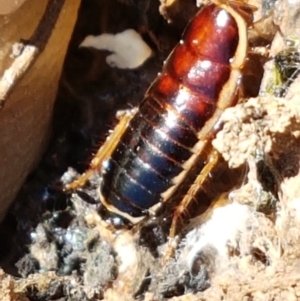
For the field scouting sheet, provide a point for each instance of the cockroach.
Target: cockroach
(154, 147)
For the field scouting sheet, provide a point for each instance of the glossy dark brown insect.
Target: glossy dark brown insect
(155, 146)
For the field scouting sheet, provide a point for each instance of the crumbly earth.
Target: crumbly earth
(261, 125)
(8, 289)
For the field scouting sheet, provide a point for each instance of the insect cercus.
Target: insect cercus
(154, 147)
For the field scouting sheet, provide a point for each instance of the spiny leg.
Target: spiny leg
(213, 159)
(105, 150)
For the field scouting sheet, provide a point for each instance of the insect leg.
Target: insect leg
(105, 151)
(213, 159)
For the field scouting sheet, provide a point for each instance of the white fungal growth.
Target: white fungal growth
(128, 49)
(125, 248)
(222, 228)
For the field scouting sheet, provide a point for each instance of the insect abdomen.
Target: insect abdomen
(163, 134)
